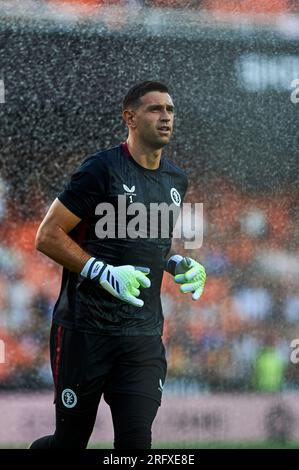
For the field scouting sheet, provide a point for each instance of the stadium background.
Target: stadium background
(230, 65)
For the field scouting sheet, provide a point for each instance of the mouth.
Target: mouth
(164, 129)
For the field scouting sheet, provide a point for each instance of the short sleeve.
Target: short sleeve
(86, 188)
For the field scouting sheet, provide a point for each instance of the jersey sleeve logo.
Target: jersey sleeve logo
(175, 196)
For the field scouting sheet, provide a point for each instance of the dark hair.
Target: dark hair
(133, 96)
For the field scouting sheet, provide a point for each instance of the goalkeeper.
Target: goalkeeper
(108, 321)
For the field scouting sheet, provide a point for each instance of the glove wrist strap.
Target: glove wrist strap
(172, 263)
(93, 269)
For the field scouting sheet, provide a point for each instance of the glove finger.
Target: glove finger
(188, 288)
(179, 278)
(135, 283)
(130, 299)
(195, 271)
(197, 294)
(143, 269)
(142, 279)
(135, 291)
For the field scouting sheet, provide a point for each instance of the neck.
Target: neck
(145, 156)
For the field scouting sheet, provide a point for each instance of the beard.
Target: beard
(155, 141)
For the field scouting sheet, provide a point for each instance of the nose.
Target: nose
(165, 115)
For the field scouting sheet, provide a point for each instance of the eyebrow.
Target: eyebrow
(160, 106)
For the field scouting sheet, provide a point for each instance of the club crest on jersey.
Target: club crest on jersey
(175, 196)
(129, 191)
(69, 398)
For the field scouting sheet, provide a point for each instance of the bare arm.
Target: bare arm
(53, 240)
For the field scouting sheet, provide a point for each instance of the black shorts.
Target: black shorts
(85, 366)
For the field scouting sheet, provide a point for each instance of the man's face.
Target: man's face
(153, 119)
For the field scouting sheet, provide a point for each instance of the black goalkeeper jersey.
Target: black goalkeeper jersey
(102, 178)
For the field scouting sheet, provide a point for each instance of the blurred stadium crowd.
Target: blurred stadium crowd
(248, 7)
(237, 337)
(244, 6)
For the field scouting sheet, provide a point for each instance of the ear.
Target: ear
(129, 117)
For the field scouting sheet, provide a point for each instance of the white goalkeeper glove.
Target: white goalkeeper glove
(189, 273)
(122, 282)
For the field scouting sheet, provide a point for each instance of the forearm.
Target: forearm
(60, 247)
